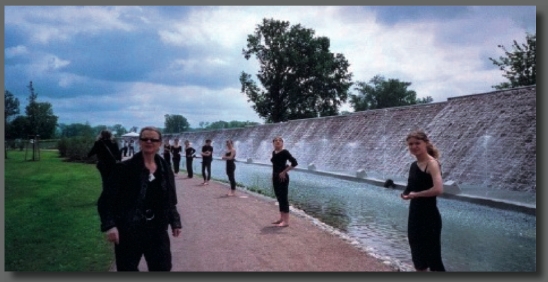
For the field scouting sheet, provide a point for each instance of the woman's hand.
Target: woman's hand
(176, 232)
(283, 176)
(113, 236)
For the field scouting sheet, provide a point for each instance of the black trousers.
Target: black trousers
(206, 167)
(425, 242)
(281, 190)
(105, 170)
(189, 167)
(153, 243)
(176, 163)
(230, 169)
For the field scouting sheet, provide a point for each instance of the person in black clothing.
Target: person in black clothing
(189, 154)
(131, 148)
(230, 156)
(280, 178)
(167, 152)
(207, 158)
(108, 153)
(176, 150)
(424, 222)
(138, 205)
(124, 148)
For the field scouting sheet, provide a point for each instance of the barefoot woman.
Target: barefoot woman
(280, 178)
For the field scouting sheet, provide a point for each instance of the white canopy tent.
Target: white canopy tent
(131, 134)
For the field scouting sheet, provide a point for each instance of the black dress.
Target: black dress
(424, 222)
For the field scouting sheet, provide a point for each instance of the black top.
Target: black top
(122, 200)
(422, 209)
(176, 151)
(207, 148)
(189, 152)
(103, 155)
(279, 160)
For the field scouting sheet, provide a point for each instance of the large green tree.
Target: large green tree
(41, 119)
(11, 109)
(300, 77)
(382, 93)
(519, 65)
(176, 124)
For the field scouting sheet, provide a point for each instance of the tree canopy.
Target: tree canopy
(300, 77)
(520, 65)
(381, 93)
(176, 124)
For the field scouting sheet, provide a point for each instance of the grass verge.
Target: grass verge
(51, 219)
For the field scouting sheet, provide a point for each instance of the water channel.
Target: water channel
(475, 238)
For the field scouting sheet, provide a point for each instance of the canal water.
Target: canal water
(475, 238)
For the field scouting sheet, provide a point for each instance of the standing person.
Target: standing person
(207, 158)
(280, 178)
(108, 153)
(189, 154)
(423, 186)
(167, 152)
(138, 205)
(176, 150)
(230, 156)
(124, 148)
(131, 148)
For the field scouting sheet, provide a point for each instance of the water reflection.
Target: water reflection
(474, 237)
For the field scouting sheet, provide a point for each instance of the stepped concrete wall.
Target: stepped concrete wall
(486, 140)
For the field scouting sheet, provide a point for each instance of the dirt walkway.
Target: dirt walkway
(225, 234)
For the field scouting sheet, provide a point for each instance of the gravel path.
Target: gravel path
(235, 234)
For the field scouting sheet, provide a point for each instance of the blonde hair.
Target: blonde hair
(430, 148)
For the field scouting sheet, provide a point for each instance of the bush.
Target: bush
(75, 149)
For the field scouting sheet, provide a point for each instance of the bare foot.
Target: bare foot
(277, 221)
(282, 224)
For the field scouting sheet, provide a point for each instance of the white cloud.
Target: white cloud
(18, 50)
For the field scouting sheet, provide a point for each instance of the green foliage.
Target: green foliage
(520, 65)
(11, 106)
(176, 124)
(76, 129)
(226, 124)
(300, 76)
(40, 118)
(51, 221)
(380, 93)
(76, 148)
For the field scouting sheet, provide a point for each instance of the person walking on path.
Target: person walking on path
(207, 158)
(280, 178)
(176, 150)
(189, 155)
(230, 156)
(108, 154)
(167, 152)
(424, 222)
(137, 206)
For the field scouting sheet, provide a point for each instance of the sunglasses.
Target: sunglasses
(150, 139)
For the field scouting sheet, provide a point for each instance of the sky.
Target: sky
(131, 65)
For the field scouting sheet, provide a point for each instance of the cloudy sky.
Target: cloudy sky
(131, 65)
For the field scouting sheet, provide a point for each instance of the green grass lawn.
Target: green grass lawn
(51, 219)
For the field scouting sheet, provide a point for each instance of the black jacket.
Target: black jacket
(118, 203)
(103, 155)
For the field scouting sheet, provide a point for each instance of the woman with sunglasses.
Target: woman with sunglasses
(138, 205)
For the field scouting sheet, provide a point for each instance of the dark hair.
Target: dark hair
(208, 140)
(105, 135)
(151, 128)
(421, 135)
